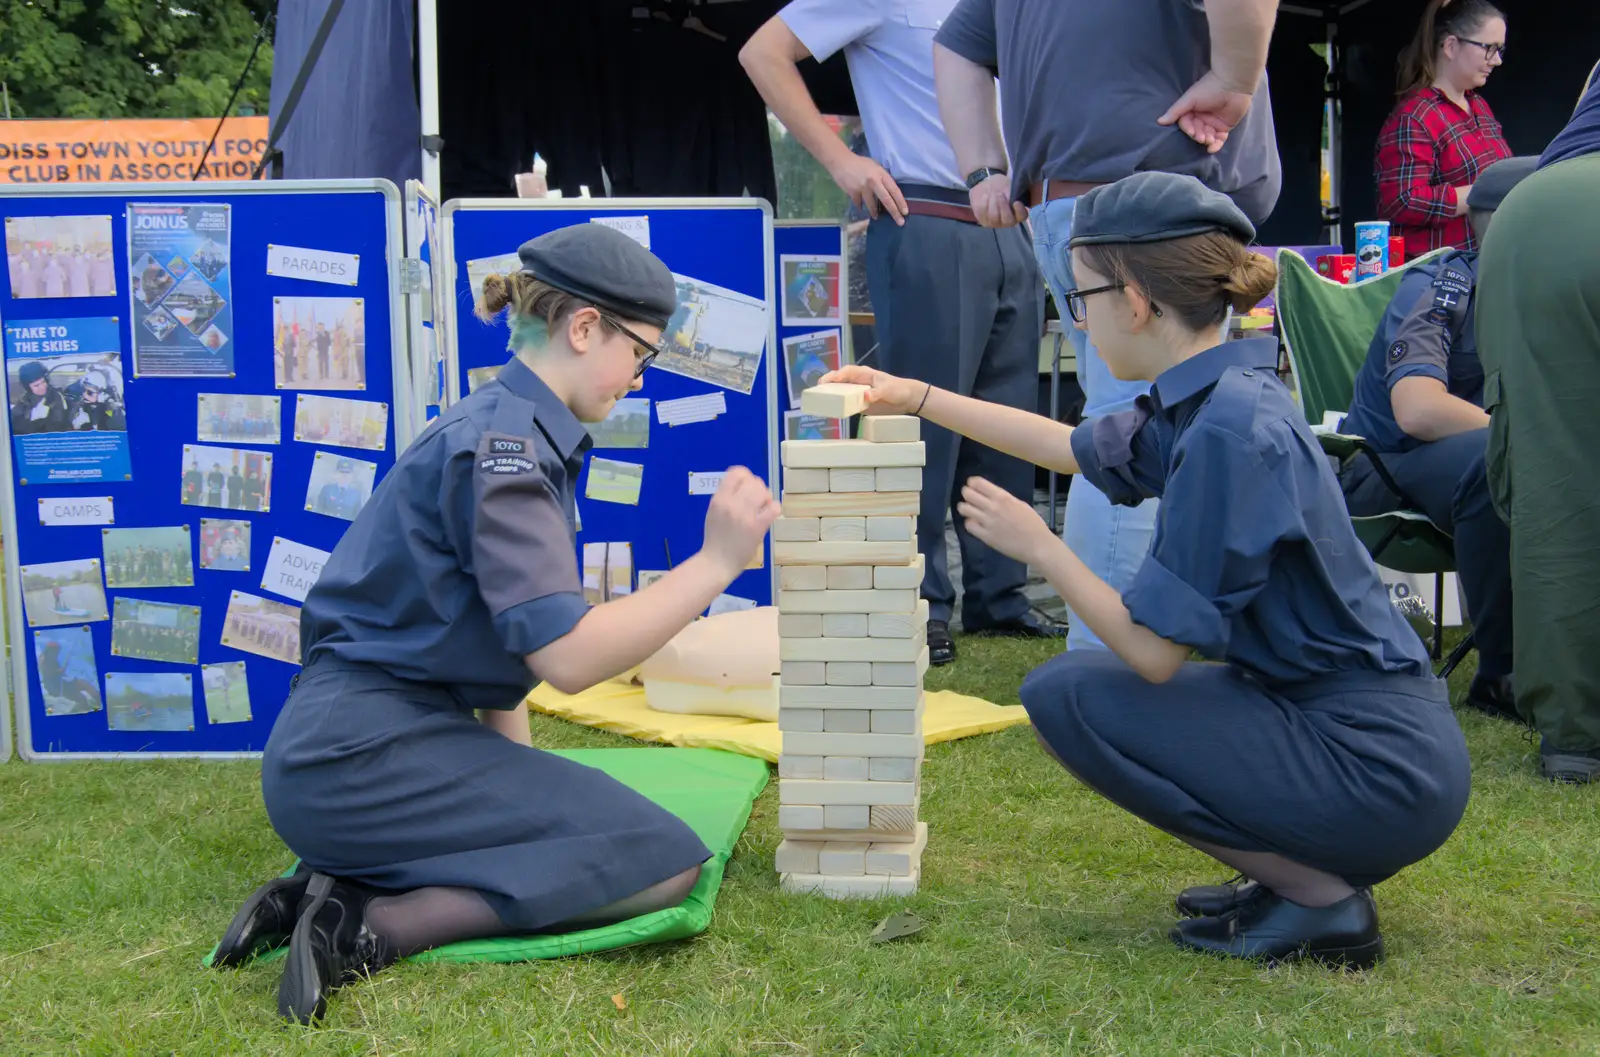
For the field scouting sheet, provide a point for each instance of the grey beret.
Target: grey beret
(1495, 182)
(1154, 207)
(606, 268)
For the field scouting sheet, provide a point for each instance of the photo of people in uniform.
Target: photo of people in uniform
(147, 701)
(319, 342)
(67, 676)
(60, 257)
(260, 625)
(478, 377)
(339, 487)
(225, 545)
(341, 422)
(155, 631)
(151, 281)
(66, 394)
(148, 557)
(240, 418)
(227, 692)
(231, 478)
(716, 336)
(70, 592)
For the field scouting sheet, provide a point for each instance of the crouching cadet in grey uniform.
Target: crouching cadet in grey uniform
(400, 770)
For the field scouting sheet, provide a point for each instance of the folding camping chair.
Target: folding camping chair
(1326, 328)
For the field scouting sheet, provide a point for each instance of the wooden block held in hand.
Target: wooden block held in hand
(803, 578)
(848, 673)
(851, 504)
(900, 577)
(800, 626)
(899, 625)
(797, 529)
(859, 479)
(798, 856)
(849, 577)
(889, 528)
(890, 768)
(806, 720)
(897, 859)
(891, 429)
(846, 816)
(843, 858)
(844, 769)
(804, 673)
(855, 454)
(791, 766)
(799, 816)
(897, 479)
(846, 720)
(834, 400)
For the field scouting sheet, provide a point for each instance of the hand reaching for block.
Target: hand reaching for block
(737, 522)
(884, 393)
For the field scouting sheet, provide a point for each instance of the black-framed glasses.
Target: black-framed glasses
(1079, 310)
(1490, 51)
(650, 351)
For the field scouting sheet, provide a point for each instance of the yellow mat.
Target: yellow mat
(621, 709)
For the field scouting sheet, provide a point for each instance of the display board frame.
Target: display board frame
(355, 217)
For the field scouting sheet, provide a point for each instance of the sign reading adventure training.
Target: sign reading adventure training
(181, 290)
(130, 151)
(64, 383)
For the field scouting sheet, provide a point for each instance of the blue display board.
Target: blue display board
(721, 250)
(812, 336)
(182, 313)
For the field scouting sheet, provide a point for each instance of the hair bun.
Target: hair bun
(1249, 281)
(497, 293)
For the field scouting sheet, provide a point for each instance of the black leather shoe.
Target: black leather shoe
(941, 647)
(1027, 626)
(1209, 901)
(1494, 696)
(331, 946)
(264, 922)
(1271, 929)
(1570, 767)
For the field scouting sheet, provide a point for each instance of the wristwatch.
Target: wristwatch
(977, 176)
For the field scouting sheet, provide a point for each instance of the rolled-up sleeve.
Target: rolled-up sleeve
(522, 554)
(1223, 518)
(968, 30)
(1120, 455)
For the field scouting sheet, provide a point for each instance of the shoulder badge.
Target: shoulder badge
(1397, 352)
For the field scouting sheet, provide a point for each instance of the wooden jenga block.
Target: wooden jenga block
(894, 816)
(807, 720)
(889, 528)
(869, 602)
(899, 625)
(890, 768)
(853, 479)
(848, 673)
(799, 816)
(804, 791)
(894, 673)
(791, 766)
(897, 479)
(896, 859)
(851, 504)
(834, 454)
(800, 626)
(803, 578)
(844, 625)
(896, 721)
(891, 429)
(846, 720)
(797, 529)
(843, 553)
(806, 673)
(889, 577)
(844, 769)
(802, 480)
(844, 858)
(867, 886)
(849, 577)
(844, 530)
(798, 856)
(874, 746)
(847, 649)
(846, 817)
(849, 697)
(834, 400)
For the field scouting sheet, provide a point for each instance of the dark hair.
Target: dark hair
(1440, 19)
(1196, 279)
(530, 301)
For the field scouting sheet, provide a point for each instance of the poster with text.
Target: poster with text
(181, 288)
(807, 357)
(811, 291)
(64, 382)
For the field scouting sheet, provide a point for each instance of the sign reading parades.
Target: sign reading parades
(129, 151)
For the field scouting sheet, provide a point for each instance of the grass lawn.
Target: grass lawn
(1046, 907)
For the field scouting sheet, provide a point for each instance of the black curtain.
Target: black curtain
(1297, 77)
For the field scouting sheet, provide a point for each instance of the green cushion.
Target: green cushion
(711, 790)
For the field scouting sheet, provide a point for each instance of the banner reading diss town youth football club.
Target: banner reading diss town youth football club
(130, 151)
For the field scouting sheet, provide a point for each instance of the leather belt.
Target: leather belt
(1050, 190)
(947, 210)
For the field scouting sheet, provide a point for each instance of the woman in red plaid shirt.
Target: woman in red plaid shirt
(1442, 134)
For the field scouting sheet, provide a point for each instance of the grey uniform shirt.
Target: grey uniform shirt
(1082, 83)
(463, 561)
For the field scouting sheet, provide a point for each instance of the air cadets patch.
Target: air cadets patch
(1397, 352)
(506, 464)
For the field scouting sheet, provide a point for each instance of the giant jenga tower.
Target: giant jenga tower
(854, 650)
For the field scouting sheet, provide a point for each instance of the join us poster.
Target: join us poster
(182, 290)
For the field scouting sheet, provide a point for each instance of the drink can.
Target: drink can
(1397, 250)
(1372, 248)
(1337, 266)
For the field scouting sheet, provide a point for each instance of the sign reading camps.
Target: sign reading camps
(129, 151)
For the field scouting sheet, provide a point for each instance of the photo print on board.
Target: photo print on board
(147, 701)
(261, 626)
(807, 357)
(319, 342)
(66, 399)
(181, 290)
(155, 631)
(227, 692)
(69, 592)
(611, 481)
(339, 486)
(230, 478)
(626, 426)
(797, 425)
(811, 292)
(716, 336)
(341, 422)
(68, 678)
(60, 257)
(148, 557)
(239, 418)
(224, 545)
(478, 377)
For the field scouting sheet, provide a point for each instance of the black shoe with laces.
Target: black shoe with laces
(1209, 901)
(1030, 625)
(331, 947)
(941, 647)
(264, 922)
(1271, 929)
(1570, 767)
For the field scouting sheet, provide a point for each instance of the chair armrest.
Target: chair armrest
(1346, 446)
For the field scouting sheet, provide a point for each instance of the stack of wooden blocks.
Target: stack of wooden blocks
(854, 651)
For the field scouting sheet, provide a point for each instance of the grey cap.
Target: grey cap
(1154, 207)
(606, 268)
(1495, 182)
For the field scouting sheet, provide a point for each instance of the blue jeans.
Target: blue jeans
(1111, 540)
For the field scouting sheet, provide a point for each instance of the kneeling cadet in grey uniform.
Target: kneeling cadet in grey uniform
(400, 770)
(1321, 756)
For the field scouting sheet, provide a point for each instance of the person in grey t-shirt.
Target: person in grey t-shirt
(1093, 92)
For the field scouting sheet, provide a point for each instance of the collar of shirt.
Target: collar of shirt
(1201, 371)
(566, 433)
